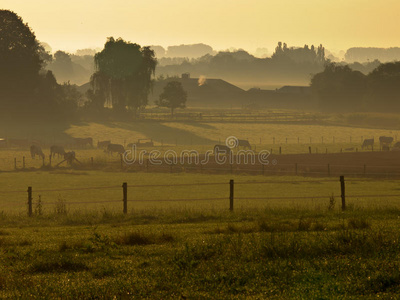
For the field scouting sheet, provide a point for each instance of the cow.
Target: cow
(115, 148)
(385, 140)
(83, 142)
(36, 150)
(59, 150)
(244, 143)
(222, 149)
(103, 144)
(367, 143)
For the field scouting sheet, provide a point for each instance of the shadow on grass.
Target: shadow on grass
(162, 133)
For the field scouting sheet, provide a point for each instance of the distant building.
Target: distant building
(186, 76)
(295, 89)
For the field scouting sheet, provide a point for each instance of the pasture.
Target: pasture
(294, 248)
(286, 238)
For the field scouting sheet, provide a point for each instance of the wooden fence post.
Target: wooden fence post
(342, 188)
(29, 201)
(125, 196)
(309, 149)
(280, 150)
(231, 190)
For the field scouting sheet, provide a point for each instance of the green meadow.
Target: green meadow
(287, 237)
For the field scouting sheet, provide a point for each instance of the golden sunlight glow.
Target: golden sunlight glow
(222, 24)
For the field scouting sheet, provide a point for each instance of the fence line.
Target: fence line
(178, 200)
(231, 197)
(80, 189)
(82, 202)
(281, 198)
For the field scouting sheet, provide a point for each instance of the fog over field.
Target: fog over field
(213, 149)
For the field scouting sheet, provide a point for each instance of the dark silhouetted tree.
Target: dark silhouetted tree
(339, 88)
(173, 96)
(384, 88)
(123, 77)
(26, 91)
(20, 61)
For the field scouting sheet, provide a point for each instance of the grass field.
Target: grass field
(297, 249)
(79, 245)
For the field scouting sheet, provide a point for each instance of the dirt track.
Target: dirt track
(377, 164)
(357, 163)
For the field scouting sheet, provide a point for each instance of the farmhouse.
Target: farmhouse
(218, 93)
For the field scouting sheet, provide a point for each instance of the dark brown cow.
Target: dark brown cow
(222, 149)
(36, 150)
(244, 143)
(103, 144)
(385, 140)
(111, 148)
(59, 150)
(367, 143)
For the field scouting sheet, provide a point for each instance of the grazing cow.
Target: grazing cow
(385, 140)
(115, 148)
(103, 144)
(367, 143)
(36, 150)
(244, 143)
(59, 150)
(222, 149)
(83, 142)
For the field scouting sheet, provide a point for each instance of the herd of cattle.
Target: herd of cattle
(385, 143)
(82, 143)
(110, 148)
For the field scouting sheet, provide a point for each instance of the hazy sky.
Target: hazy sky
(248, 24)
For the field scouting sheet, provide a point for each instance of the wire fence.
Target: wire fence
(232, 187)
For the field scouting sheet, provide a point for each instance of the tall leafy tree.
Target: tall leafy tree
(26, 90)
(123, 77)
(173, 96)
(339, 88)
(384, 87)
(20, 61)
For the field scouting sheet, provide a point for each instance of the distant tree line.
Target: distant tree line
(183, 51)
(287, 64)
(340, 89)
(361, 54)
